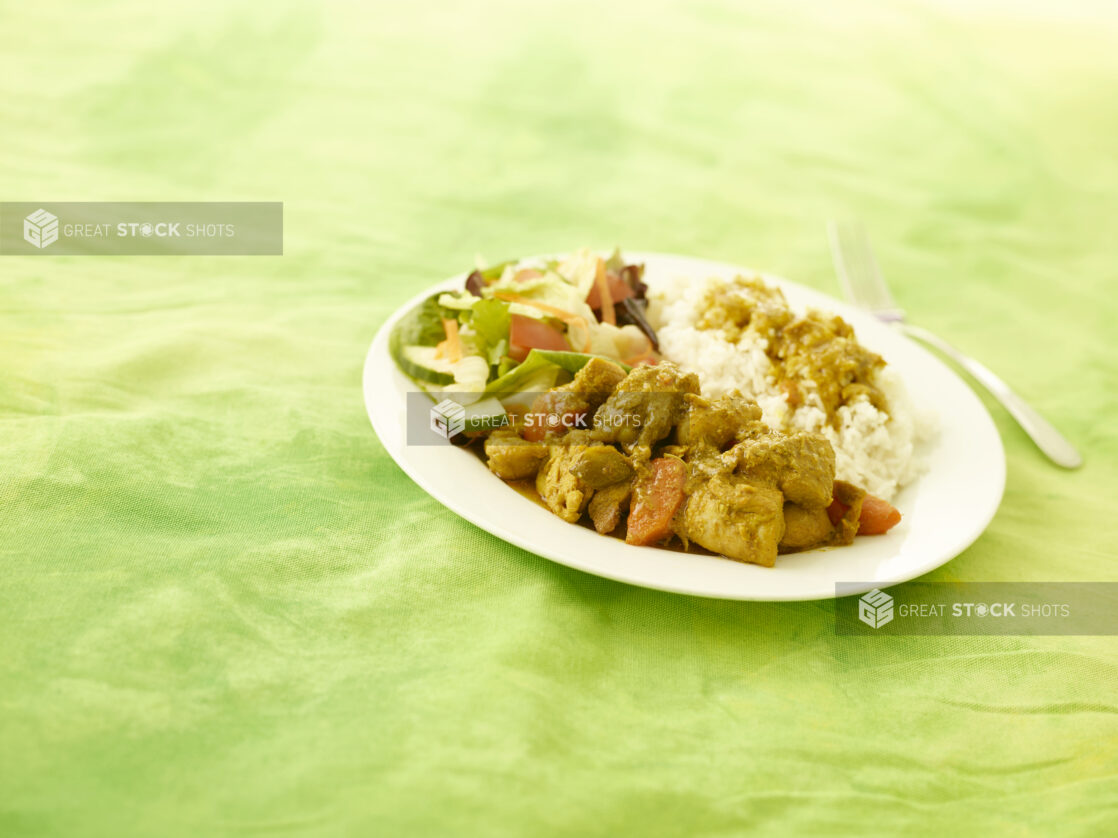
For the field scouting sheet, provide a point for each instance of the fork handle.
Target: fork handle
(1040, 430)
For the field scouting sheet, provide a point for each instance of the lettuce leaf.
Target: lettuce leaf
(490, 320)
(550, 289)
(457, 300)
(539, 360)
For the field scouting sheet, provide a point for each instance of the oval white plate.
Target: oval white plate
(944, 511)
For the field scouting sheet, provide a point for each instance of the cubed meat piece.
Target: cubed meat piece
(596, 381)
(512, 458)
(554, 413)
(717, 423)
(607, 506)
(560, 488)
(645, 407)
(801, 465)
(805, 528)
(736, 518)
(602, 465)
(845, 511)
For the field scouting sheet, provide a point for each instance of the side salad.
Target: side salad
(520, 325)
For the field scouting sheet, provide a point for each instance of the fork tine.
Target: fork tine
(870, 268)
(858, 271)
(839, 257)
(848, 254)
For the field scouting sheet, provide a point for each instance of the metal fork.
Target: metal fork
(863, 283)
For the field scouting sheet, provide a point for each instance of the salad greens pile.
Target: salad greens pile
(519, 326)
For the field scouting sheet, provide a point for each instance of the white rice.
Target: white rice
(876, 450)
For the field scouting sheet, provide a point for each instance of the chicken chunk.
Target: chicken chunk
(570, 406)
(560, 488)
(596, 381)
(607, 505)
(805, 527)
(716, 423)
(846, 511)
(731, 516)
(512, 458)
(555, 412)
(645, 407)
(602, 465)
(801, 465)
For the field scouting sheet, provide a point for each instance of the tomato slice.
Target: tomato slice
(527, 333)
(618, 290)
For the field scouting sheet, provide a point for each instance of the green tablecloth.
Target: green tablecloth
(224, 610)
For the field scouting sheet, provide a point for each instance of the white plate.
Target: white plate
(944, 511)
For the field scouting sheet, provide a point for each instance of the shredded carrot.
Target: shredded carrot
(603, 292)
(451, 348)
(565, 316)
